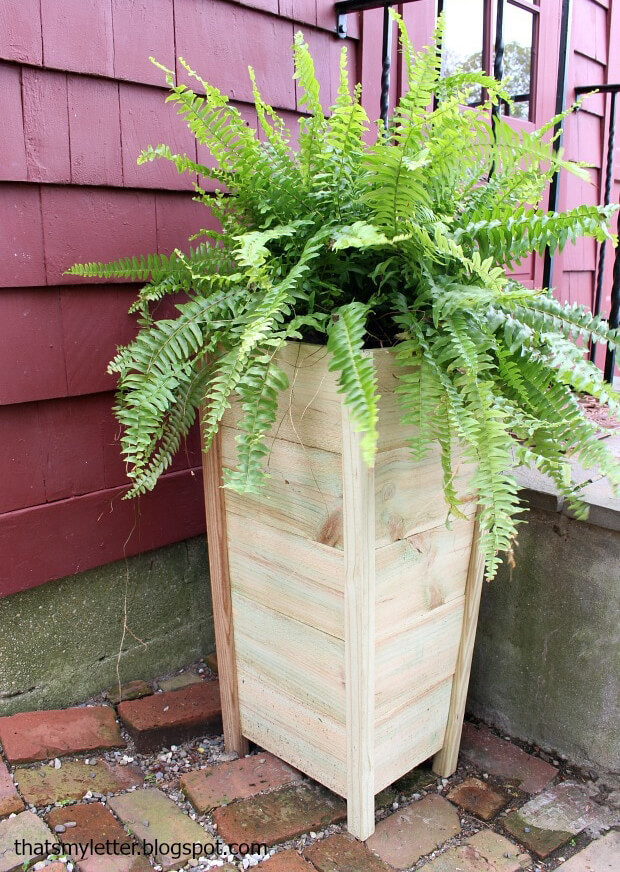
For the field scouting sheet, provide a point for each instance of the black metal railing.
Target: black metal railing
(614, 312)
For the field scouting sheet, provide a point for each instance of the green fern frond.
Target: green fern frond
(356, 374)
(134, 269)
(258, 392)
(312, 128)
(545, 314)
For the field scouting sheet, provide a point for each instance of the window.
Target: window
(463, 47)
(469, 44)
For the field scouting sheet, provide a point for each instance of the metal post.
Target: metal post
(614, 318)
(386, 53)
(598, 295)
(498, 63)
(498, 67)
(560, 101)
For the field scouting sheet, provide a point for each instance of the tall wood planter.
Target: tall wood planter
(345, 609)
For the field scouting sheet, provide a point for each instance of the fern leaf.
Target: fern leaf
(258, 391)
(357, 377)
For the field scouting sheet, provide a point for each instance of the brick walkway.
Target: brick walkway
(149, 775)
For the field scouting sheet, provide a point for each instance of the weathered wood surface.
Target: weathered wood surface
(222, 602)
(445, 761)
(299, 578)
(313, 743)
(359, 630)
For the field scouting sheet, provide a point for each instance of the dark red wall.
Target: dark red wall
(79, 99)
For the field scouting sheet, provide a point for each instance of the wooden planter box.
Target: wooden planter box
(345, 610)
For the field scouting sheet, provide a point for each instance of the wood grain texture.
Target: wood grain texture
(222, 602)
(303, 662)
(359, 627)
(407, 737)
(302, 496)
(445, 761)
(419, 574)
(298, 578)
(309, 410)
(348, 590)
(409, 494)
(410, 662)
(293, 731)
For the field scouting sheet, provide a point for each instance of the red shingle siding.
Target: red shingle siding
(79, 100)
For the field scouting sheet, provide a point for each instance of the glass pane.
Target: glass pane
(462, 48)
(518, 39)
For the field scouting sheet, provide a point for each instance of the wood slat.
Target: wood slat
(309, 410)
(445, 761)
(409, 494)
(291, 575)
(409, 736)
(410, 662)
(420, 574)
(303, 495)
(303, 662)
(292, 730)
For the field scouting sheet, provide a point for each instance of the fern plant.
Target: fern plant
(406, 242)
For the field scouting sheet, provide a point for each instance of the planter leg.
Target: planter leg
(359, 633)
(222, 603)
(361, 815)
(445, 761)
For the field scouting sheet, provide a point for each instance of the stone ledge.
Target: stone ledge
(539, 492)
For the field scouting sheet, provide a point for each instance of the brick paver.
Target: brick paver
(239, 779)
(10, 803)
(150, 816)
(344, 854)
(176, 682)
(286, 861)
(483, 852)
(479, 798)
(537, 839)
(33, 736)
(46, 785)
(414, 830)
(279, 816)
(170, 718)
(131, 690)
(502, 758)
(551, 819)
(94, 821)
(32, 830)
(600, 856)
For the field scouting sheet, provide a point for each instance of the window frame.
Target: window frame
(488, 46)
